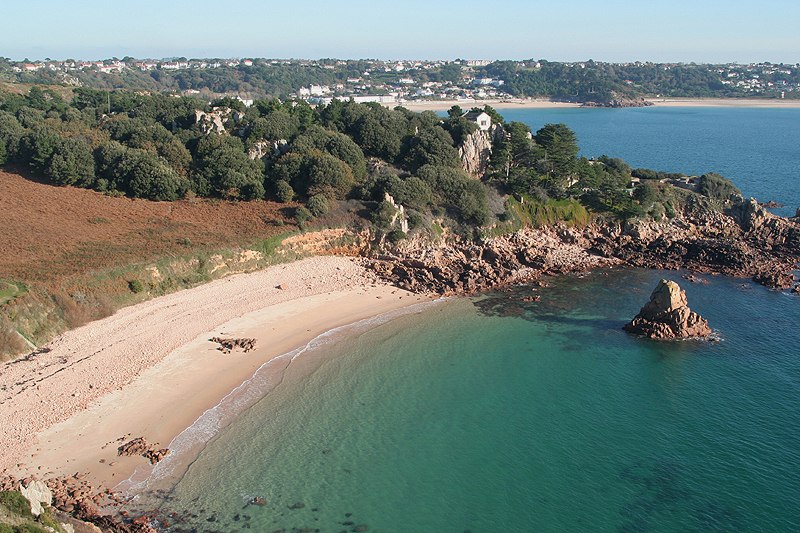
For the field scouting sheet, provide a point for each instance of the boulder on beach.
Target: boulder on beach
(667, 315)
(37, 493)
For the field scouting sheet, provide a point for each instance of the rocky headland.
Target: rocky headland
(667, 316)
(618, 102)
(744, 241)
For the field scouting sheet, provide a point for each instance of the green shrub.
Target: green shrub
(415, 220)
(383, 215)
(318, 205)
(716, 187)
(397, 235)
(29, 528)
(669, 211)
(303, 215)
(283, 191)
(135, 286)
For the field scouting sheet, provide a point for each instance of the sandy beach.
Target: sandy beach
(521, 103)
(530, 103)
(722, 102)
(150, 370)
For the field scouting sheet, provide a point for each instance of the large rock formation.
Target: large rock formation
(475, 152)
(666, 315)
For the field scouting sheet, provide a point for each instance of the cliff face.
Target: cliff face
(475, 152)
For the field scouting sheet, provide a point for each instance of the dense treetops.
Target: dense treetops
(154, 147)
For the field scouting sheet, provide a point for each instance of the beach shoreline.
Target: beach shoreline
(534, 103)
(151, 370)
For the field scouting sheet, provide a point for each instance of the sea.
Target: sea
(503, 413)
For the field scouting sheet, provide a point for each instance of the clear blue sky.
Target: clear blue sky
(702, 31)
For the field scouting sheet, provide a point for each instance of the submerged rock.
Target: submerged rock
(667, 316)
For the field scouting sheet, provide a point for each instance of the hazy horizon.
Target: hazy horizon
(242, 57)
(614, 32)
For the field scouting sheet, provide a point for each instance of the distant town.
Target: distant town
(319, 81)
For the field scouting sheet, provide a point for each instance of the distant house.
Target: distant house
(481, 118)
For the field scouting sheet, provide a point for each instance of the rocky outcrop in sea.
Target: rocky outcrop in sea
(667, 315)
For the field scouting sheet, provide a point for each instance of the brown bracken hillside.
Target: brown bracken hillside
(49, 234)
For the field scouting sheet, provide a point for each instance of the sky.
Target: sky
(701, 31)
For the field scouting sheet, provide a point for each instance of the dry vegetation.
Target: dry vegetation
(79, 254)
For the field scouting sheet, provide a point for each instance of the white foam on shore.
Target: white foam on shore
(186, 447)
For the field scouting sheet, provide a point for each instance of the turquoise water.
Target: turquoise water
(492, 414)
(495, 414)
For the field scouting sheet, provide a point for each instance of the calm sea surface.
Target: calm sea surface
(757, 149)
(493, 414)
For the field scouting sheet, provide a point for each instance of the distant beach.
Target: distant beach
(723, 102)
(151, 370)
(444, 105)
(532, 103)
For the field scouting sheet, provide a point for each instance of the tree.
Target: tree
(561, 148)
(152, 178)
(36, 99)
(455, 112)
(318, 205)
(283, 191)
(29, 117)
(273, 127)
(450, 72)
(38, 145)
(333, 143)
(328, 175)
(224, 165)
(72, 162)
(314, 172)
(453, 187)
(646, 195)
(415, 193)
(717, 187)
(459, 128)
(11, 134)
(433, 146)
